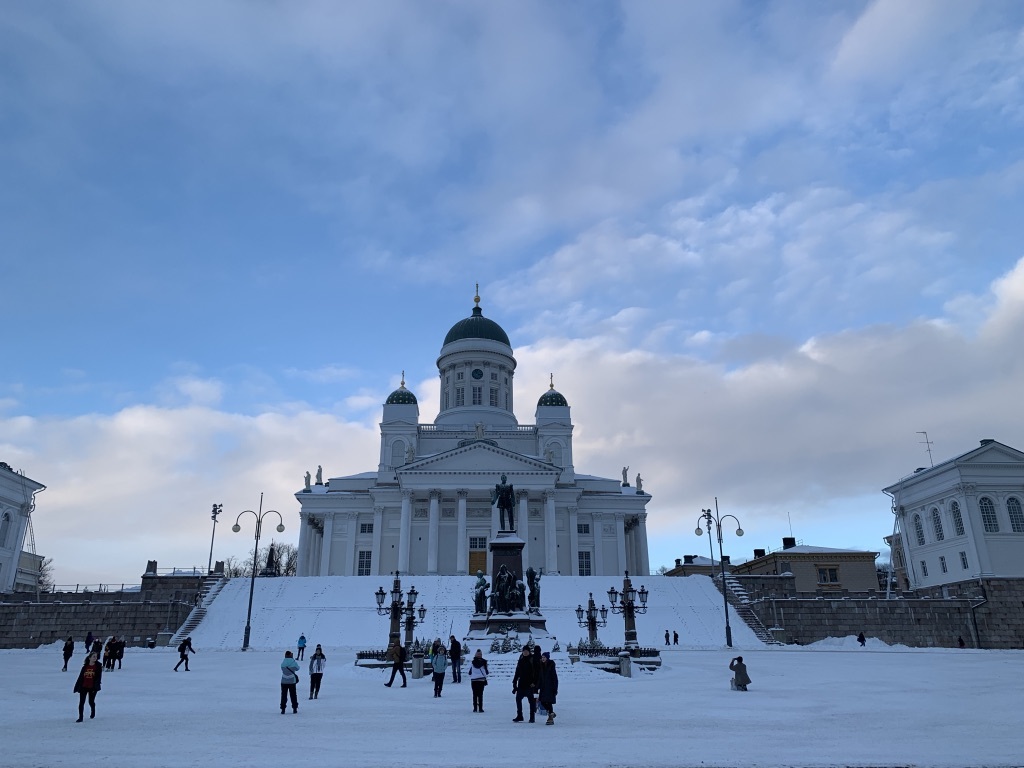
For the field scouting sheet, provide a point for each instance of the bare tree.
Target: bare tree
(45, 581)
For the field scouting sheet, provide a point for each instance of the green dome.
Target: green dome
(477, 327)
(552, 397)
(401, 396)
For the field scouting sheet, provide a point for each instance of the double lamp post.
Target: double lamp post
(255, 554)
(398, 610)
(709, 518)
(628, 607)
(587, 617)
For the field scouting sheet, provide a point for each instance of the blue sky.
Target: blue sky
(759, 245)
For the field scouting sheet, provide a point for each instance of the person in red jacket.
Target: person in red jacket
(88, 685)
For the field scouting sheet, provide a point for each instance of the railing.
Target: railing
(92, 588)
(643, 653)
(522, 429)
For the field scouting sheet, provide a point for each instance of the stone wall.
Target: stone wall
(29, 624)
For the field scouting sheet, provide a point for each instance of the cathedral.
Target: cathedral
(432, 505)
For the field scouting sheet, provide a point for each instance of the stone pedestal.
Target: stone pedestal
(507, 550)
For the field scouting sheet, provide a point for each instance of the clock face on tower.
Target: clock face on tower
(477, 373)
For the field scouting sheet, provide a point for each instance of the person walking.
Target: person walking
(88, 642)
(666, 637)
(478, 679)
(88, 685)
(289, 681)
(675, 638)
(184, 649)
(439, 664)
(523, 685)
(861, 639)
(109, 652)
(302, 647)
(740, 677)
(397, 655)
(548, 686)
(317, 664)
(455, 657)
(960, 641)
(119, 651)
(69, 651)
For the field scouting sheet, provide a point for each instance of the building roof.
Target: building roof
(552, 397)
(809, 550)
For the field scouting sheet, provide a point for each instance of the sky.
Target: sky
(761, 247)
(684, 714)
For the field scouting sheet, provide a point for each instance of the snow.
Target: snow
(829, 704)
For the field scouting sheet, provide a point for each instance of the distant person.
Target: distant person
(548, 686)
(523, 685)
(455, 657)
(289, 681)
(960, 642)
(740, 678)
(69, 651)
(439, 664)
(317, 664)
(675, 638)
(397, 656)
(119, 651)
(861, 639)
(478, 679)
(666, 637)
(301, 647)
(109, 651)
(184, 649)
(88, 642)
(88, 685)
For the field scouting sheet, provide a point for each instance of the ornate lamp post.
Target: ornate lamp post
(255, 553)
(629, 608)
(587, 617)
(397, 610)
(217, 508)
(708, 518)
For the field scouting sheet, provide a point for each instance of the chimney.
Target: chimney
(788, 542)
(758, 553)
(987, 440)
(725, 559)
(687, 559)
(678, 562)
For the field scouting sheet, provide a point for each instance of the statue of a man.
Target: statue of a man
(410, 455)
(479, 430)
(533, 582)
(480, 593)
(504, 496)
(504, 584)
(639, 483)
(625, 475)
(307, 479)
(319, 475)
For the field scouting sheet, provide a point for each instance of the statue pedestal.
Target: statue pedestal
(507, 550)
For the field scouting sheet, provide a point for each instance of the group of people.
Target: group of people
(90, 677)
(675, 638)
(536, 680)
(290, 674)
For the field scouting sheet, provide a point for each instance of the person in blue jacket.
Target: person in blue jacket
(289, 680)
(439, 664)
(302, 647)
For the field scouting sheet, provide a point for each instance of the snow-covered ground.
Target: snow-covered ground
(831, 704)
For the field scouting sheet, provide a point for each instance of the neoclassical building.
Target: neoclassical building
(19, 570)
(427, 508)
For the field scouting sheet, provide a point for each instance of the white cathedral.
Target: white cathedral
(427, 508)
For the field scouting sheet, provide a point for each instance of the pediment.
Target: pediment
(481, 460)
(992, 453)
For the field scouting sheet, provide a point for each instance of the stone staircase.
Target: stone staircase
(212, 585)
(737, 597)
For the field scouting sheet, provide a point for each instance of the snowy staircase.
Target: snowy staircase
(212, 585)
(737, 597)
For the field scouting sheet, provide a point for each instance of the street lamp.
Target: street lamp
(396, 609)
(709, 518)
(217, 508)
(587, 617)
(255, 553)
(629, 609)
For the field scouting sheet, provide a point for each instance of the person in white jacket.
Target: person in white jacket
(317, 664)
(478, 679)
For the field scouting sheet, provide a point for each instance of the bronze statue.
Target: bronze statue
(505, 497)
(480, 593)
(533, 583)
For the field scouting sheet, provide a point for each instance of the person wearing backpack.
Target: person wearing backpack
(184, 650)
(398, 664)
(289, 682)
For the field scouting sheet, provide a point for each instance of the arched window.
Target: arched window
(958, 520)
(1016, 514)
(988, 515)
(5, 528)
(937, 524)
(397, 453)
(919, 530)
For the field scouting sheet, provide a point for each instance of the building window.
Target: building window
(5, 529)
(583, 529)
(937, 524)
(506, 402)
(585, 564)
(963, 560)
(919, 530)
(460, 375)
(942, 563)
(478, 395)
(366, 527)
(460, 396)
(478, 542)
(898, 558)
(446, 398)
(828, 575)
(494, 376)
(958, 520)
(988, 515)
(1016, 514)
(365, 558)
(924, 569)
(494, 398)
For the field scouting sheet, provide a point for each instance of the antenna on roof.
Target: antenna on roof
(928, 445)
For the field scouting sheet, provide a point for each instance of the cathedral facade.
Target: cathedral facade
(429, 508)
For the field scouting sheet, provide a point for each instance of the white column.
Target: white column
(550, 534)
(620, 541)
(405, 533)
(352, 546)
(574, 544)
(301, 567)
(645, 562)
(523, 526)
(433, 528)
(325, 554)
(462, 546)
(378, 531)
(598, 544)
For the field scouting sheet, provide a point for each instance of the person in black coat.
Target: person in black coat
(397, 664)
(88, 685)
(69, 650)
(524, 682)
(184, 650)
(455, 658)
(548, 686)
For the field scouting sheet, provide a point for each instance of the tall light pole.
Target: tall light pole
(396, 610)
(629, 609)
(587, 617)
(217, 509)
(255, 553)
(709, 518)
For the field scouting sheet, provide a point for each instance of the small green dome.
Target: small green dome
(477, 327)
(552, 397)
(401, 396)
